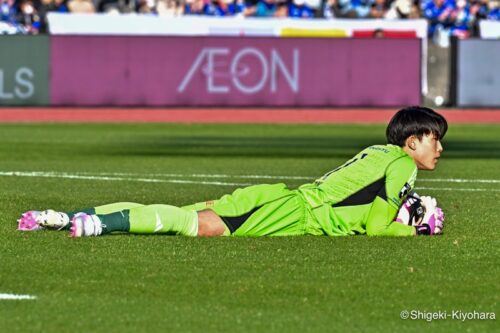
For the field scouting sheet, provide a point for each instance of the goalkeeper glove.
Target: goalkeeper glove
(412, 210)
(433, 220)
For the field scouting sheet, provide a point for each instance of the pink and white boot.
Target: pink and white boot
(27, 222)
(84, 225)
(37, 220)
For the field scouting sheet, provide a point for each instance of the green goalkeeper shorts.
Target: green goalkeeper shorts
(263, 210)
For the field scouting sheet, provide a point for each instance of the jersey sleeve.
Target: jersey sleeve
(399, 180)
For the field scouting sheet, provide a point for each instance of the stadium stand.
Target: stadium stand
(446, 17)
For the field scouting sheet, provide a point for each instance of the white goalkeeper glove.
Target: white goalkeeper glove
(433, 221)
(422, 213)
(412, 210)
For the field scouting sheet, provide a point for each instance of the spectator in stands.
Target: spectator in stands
(299, 8)
(169, 8)
(46, 6)
(379, 8)
(263, 8)
(399, 9)
(81, 6)
(199, 7)
(7, 11)
(237, 7)
(193, 7)
(211, 8)
(463, 20)
(378, 33)
(480, 9)
(58, 6)
(439, 14)
(331, 9)
(114, 6)
(145, 7)
(188, 7)
(446, 17)
(282, 9)
(223, 8)
(28, 17)
(494, 13)
(355, 8)
(415, 12)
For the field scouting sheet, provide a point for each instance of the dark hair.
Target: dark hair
(415, 120)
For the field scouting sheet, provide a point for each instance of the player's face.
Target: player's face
(426, 152)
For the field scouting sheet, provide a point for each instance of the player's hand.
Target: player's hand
(412, 210)
(433, 221)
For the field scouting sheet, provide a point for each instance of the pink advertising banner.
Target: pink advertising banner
(231, 71)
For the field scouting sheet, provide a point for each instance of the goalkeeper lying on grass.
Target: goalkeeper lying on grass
(362, 196)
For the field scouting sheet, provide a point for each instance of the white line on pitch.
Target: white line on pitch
(195, 175)
(181, 181)
(458, 189)
(16, 297)
(455, 180)
(142, 180)
(198, 175)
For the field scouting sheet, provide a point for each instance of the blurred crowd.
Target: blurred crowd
(451, 17)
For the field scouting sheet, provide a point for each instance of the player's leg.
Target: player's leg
(165, 219)
(210, 224)
(109, 208)
(262, 210)
(152, 219)
(282, 217)
(50, 219)
(244, 205)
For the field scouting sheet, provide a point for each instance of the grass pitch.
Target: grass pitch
(136, 283)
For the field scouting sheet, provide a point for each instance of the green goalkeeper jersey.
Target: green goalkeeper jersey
(364, 194)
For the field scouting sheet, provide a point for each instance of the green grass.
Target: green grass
(129, 283)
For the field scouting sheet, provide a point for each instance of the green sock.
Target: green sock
(107, 209)
(115, 216)
(163, 219)
(118, 221)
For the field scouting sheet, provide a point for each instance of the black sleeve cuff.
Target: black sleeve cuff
(423, 229)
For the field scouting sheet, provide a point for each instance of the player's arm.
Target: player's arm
(399, 179)
(380, 221)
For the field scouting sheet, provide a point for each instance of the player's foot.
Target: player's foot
(52, 220)
(27, 222)
(36, 220)
(83, 225)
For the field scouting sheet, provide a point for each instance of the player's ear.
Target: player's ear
(411, 142)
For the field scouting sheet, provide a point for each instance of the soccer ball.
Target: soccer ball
(412, 210)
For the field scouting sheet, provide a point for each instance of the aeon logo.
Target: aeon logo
(232, 69)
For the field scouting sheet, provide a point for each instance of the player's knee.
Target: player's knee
(210, 224)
